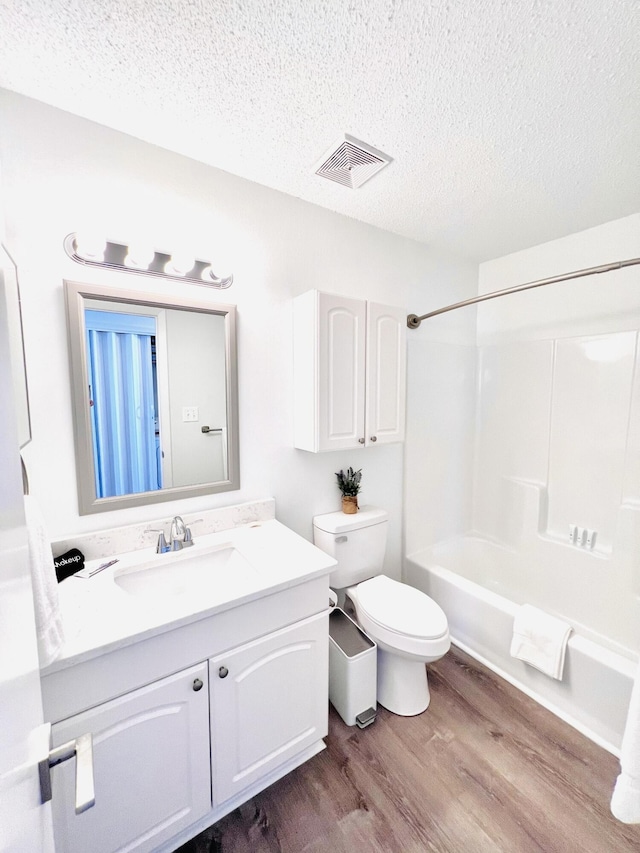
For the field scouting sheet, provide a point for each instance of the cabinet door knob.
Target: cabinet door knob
(223, 672)
(361, 441)
(374, 438)
(197, 684)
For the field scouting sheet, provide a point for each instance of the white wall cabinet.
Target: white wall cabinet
(349, 372)
(151, 767)
(268, 701)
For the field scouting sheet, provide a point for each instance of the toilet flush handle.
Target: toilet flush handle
(341, 539)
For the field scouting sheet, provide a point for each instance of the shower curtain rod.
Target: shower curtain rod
(413, 320)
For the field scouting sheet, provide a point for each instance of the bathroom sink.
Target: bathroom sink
(193, 573)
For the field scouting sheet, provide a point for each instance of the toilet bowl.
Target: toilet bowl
(409, 628)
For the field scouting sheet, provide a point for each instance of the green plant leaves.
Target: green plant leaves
(349, 483)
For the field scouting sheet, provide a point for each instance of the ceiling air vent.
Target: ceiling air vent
(351, 162)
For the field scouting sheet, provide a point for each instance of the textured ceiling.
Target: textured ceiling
(510, 122)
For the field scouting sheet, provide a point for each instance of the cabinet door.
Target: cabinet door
(386, 374)
(341, 372)
(151, 768)
(269, 701)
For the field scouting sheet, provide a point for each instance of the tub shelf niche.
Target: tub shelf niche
(526, 520)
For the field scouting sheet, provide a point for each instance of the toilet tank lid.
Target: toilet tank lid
(340, 522)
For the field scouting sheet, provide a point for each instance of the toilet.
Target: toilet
(409, 628)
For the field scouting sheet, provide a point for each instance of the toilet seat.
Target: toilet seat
(401, 619)
(401, 608)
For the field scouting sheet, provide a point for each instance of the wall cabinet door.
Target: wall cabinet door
(329, 371)
(349, 372)
(151, 767)
(341, 378)
(385, 374)
(269, 701)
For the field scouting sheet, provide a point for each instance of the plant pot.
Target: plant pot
(350, 504)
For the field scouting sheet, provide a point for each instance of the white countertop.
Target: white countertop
(100, 616)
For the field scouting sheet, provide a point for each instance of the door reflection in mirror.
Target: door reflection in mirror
(123, 399)
(192, 385)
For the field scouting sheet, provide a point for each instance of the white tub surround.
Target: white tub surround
(469, 577)
(202, 677)
(545, 469)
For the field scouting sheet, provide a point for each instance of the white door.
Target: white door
(25, 824)
(341, 373)
(151, 767)
(386, 373)
(269, 701)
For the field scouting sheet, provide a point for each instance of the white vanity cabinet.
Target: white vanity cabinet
(349, 372)
(268, 701)
(151, 767)
(167, 726)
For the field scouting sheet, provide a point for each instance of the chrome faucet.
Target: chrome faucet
(178, 534)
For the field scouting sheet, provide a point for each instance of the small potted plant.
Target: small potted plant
(349, 485)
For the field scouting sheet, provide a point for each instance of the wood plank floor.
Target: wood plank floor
(484, 769)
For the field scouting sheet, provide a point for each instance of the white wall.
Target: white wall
(441, 403)
(64, 174)
(558, 427)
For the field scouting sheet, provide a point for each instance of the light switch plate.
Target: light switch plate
(190, 414)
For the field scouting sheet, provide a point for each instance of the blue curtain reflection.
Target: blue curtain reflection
(123, 402)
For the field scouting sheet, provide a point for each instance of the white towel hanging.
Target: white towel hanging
(540, 640)
(45, 585)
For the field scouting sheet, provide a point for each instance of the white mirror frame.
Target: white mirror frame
(76, 295)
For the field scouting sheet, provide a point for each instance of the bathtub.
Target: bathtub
(594, 694)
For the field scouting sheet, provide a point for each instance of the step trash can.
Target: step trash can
(352, 670)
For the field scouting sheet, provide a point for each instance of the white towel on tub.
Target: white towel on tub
(540, 640)
(49, 629)
(625, 802)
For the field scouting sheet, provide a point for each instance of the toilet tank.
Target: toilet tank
(356, 541)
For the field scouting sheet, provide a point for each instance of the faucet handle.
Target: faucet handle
(188, 536)
(162, 545)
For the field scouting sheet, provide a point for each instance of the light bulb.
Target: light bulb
(179, 264)
(139, 257)
(219, 268)
(90, 247)
(209, 277)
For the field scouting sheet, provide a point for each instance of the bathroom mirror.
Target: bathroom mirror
(9, 286)
(154, 397)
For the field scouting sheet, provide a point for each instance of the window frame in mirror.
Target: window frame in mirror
(77, 295)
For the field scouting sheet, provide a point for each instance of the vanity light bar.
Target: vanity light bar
(118, 256)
